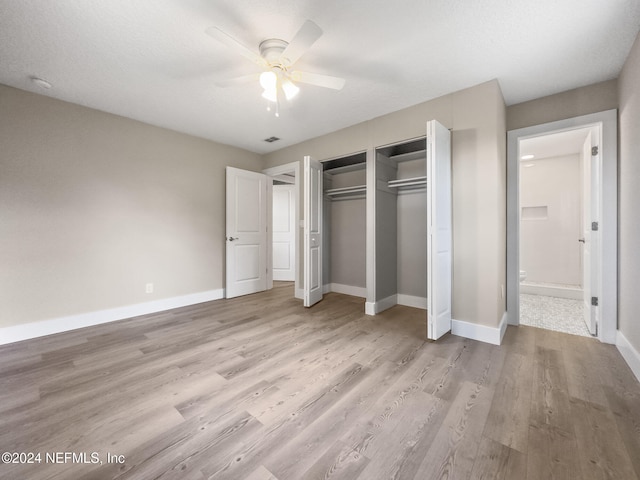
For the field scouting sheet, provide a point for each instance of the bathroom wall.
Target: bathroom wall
(550, 220)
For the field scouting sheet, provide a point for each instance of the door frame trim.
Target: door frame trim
(271, 172)
(608, 247)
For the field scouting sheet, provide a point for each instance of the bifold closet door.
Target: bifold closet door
(246, 229)
(439, 230)
(313, 198)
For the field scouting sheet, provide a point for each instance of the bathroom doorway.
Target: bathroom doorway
(555, 188)
(566, 264)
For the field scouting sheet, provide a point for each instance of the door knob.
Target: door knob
(582, 240)
(231, 239)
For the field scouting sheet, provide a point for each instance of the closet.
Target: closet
(410, 243)
(401, 225)
(344, 224)
(379, 224)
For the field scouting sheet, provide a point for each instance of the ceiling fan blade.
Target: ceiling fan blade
(318, 80)
(244, 79)
(306, 36)
(232, 43)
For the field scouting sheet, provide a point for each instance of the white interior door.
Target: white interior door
(439, 230)
(284, 238)
(589, 237)
(312, 232)
(246, 240)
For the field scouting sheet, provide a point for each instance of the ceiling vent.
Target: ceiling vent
(271, 139)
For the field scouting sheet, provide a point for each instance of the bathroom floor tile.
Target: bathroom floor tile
(558, 314)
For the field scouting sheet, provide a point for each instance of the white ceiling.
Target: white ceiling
(152, 61)
(558, 144)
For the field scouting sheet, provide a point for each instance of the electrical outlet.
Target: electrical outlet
(148, 288)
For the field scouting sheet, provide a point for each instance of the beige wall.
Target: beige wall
(120, 203)
(629, 198)
(93, 206)
(348, 239)
(347, 232)
(478, 119)
(412, 243)
(572, 103)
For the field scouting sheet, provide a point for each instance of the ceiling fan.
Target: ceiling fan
(277, 58)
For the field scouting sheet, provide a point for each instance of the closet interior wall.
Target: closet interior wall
(344, 217)
(401, 225)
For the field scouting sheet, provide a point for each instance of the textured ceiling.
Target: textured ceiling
(151, 60)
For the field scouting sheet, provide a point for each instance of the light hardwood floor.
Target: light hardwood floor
(260, 388)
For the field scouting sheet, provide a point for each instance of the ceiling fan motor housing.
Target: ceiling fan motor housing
(271, 50)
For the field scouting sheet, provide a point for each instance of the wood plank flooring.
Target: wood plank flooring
(259, 388)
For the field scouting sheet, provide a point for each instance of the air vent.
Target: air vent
(271, 139)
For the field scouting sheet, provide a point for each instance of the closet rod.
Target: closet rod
(346, 190)
(406, 182)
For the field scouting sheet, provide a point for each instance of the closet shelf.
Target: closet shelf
(408, 182)
(345, 191)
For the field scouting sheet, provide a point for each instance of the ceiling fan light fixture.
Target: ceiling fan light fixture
(278, 57)
(268, 80)
(271, 95)
(290, 90)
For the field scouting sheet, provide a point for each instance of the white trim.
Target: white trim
(481, 333)
(299, 293)
(412, 301)
(26, 331)
(503, 326)
(326, 288)
(348, 290)
(370, 243)
(369, 308)
(630, 354)
(373, 308)
(552, 291)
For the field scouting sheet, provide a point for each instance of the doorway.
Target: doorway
(284, 219)
(586, 269)
(556, 185)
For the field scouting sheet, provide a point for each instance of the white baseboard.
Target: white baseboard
(326, 288)
(481, 333)
(26, 331)
(551, 291)
(412, 301)
(299, 293)
(349, 290)
(504, 323)
(629, 353)
(373, 308)
(283, 276)
(369, 308)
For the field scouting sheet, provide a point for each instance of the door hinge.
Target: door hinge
(594, 226)
(594, 151)
(594, 301)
